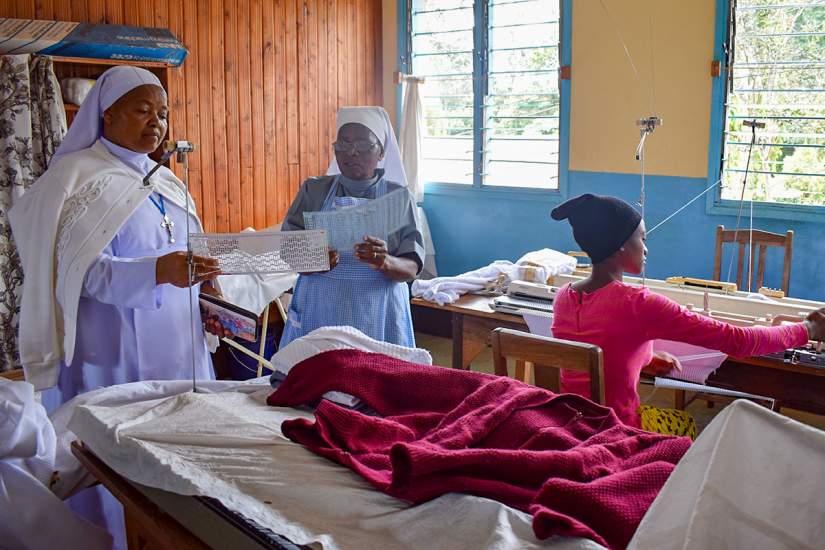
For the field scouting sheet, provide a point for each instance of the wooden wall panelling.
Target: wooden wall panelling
(282, 113)
(200, 57)
(232, 77)
(257, 93)
(330, 95)
(303, 92)
(271, 142)
(245, 111)
(257, 146)
(217, 72)
(293, 142)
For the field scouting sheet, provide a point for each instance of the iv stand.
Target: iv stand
(646, 127)
(181, 148)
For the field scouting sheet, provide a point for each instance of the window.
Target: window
(492, 95)
(776, 60)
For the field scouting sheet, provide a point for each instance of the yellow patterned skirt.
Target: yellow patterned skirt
(667, 421)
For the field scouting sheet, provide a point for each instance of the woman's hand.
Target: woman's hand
(372, 251)
(333, 261)
(662, 363)
(209, 288)
(214, 326)
(816, 325)
(173, 269)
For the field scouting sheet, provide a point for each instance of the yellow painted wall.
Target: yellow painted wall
(607, 97)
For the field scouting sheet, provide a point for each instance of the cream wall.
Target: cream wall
(673, 64)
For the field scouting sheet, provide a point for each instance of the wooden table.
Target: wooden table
(160, 520)
(472, 320)
(794, 385)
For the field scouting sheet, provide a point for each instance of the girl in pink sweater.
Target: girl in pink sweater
(624, 320)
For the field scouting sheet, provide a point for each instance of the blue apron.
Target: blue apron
(353, 294)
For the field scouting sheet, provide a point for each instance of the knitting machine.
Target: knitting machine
(720, 300)
(809, 355)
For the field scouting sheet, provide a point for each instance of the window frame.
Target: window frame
(714, 202)
(554, 195)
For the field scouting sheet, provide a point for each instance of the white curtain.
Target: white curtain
(412, 121)
(32, 125)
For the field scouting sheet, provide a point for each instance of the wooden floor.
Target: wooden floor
(441, 350)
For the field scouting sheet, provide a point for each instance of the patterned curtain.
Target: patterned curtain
(32, 124)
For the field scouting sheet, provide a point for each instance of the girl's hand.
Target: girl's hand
(815, 322)
(662, 363)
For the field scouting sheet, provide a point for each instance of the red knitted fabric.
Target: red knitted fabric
(567, 461)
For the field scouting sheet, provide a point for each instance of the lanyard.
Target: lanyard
(159, 205)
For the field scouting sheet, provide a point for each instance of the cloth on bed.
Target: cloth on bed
(569, 462)
(228, 445)
(752, 479)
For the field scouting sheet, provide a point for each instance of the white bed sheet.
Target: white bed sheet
(752, 479)
(229, 446)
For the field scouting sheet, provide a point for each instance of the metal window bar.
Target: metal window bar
(450, 52)
(496, 3)
(779, 90)
(430, 33)
(775, 34)
(792, 62)
(441, 10)
(514, 25)
(783, 145)
(804, 174)
(780, 6)
(775, 117)
(541, 47)
(533, 71)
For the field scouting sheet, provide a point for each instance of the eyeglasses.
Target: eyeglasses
(359, 146)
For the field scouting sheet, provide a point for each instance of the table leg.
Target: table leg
(679, 399)
(524, 371)
(458, 340)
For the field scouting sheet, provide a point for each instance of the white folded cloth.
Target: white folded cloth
(335, 338)
(536, 267)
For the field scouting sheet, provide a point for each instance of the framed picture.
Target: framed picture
(242, 323)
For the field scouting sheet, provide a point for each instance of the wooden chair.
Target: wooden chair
(548, 355)
(762, 240)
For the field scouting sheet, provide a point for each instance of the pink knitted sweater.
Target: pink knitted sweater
(624, 320)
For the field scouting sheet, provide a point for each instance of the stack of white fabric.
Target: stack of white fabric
(31, 514)
(337, 338)
(536, 267)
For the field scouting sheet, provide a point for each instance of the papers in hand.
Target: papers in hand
(264, 251)
(379, 218)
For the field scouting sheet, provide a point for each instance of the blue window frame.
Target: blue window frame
(496, 108)
(772, 71)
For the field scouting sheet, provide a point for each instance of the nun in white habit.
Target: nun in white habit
(106, 289)
(366, 287)
(32, 516)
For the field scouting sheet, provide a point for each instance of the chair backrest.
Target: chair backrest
(549, 355)
(761, 240)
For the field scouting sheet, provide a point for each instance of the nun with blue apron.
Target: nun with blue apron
(366, 286)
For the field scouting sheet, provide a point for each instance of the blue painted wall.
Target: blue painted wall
(473, 227)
